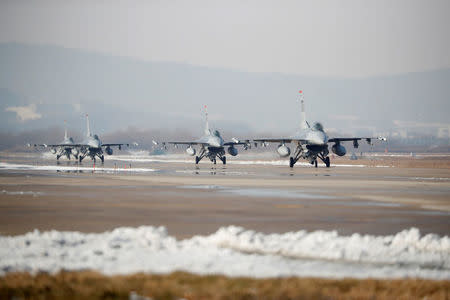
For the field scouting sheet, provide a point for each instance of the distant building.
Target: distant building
(443, 132)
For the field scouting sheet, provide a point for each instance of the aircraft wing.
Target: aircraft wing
(235, 141)
(55, 145)
(281, 140)
(356, 139)
(185, 143)
(80, 145)
(116, 145)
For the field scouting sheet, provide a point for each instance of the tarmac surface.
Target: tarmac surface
(378, 196)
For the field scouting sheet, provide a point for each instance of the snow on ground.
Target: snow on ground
(232, 251)
(14, 193)
(77, 168)
(246, 160)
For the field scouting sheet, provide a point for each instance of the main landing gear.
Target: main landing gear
(325, 159)
(299, 153)
(102, 158)
(212, 155)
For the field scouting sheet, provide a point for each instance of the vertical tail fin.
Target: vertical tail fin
(303, 122)
(88, 133)
(65, 129)
(207, 132)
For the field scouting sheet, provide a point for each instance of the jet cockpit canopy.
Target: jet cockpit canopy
(216, 133)
(317, 126)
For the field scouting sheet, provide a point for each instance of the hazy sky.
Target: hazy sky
(326, 38)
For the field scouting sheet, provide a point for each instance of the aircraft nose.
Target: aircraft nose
(319, 138)
(94, 144)
(216, 142)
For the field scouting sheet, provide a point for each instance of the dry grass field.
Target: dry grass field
(91, 285)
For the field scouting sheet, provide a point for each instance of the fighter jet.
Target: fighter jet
(211, 145)
(311, 142)
(65, 148)
(93, 147)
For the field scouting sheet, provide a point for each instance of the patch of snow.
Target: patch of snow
(34, 194)
(76, 168)
(181, 158)
(232, 251)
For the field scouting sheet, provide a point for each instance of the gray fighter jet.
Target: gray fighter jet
(312, 142)
(211, 145)
(93, 147)
(65, 148)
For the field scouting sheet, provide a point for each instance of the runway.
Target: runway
(367, 218)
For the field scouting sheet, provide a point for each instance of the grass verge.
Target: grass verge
(92, 285)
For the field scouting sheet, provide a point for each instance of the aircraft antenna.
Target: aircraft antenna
(65, 129)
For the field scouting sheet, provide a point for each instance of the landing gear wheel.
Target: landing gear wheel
(291, 162)
(102, 158)
(80, 158)
(224, 160)
(94, 160)
(315, 163)
(196, 160)
(327, 161)
(57, 157)
(214, 161)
